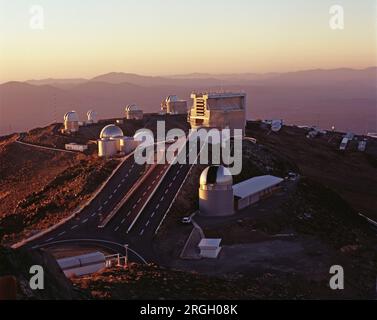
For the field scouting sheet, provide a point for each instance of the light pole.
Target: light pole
(126, 258)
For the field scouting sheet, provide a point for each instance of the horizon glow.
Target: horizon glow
(162, 37)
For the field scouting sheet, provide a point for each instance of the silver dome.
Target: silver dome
(71, 116)
(132, 107)
(218, 175)
(91, 114)
(172, 98)
(111, 131)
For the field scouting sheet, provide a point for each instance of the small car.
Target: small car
(186, 220)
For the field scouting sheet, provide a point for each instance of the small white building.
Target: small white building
(82, 265)
(251, 191)
(76, 147)
(209, 248)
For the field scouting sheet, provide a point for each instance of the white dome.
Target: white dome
(71, 116)
(111, 131)
(172, 98)
(91, 114)
(216, 175)
(132, 107)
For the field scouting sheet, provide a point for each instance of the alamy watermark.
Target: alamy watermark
(203, 146)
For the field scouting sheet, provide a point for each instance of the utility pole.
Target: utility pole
(126, 258)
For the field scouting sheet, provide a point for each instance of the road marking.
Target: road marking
(115, 191)
(110, 196)
(106, 202)
(61, 233)
(141, 232)
(74, 227)
(144, 193)
(147, 223)
(149, 187)
(119, 185)
(153, 181)
(179, 170)
(166, 191)
(153, 214)
(158, 205)
(170, 184)
(123, 220)
(48, 240)
(85, 221)
(99, 209)
(128, 214)
(138, 200)
(123, 180)
(175, 177)
(116, 229)
(162, 198)
(134, 206)
(93, 214)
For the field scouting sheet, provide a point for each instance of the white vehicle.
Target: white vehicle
(343, 144)
(186, 220)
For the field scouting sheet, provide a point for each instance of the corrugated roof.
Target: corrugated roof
(255, 185)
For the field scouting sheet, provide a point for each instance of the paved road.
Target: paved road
(143, 211)
(87, 221)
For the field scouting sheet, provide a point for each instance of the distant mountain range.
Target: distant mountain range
(344, 97)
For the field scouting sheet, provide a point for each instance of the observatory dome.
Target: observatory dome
(216, 175)
(71, 116)
(91, 114)
(111, 131)
(132, 107)
(172, 99)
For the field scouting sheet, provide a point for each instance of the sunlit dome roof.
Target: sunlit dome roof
(132, 107)
(91, 114)
(172, 98)
(111, 131)
(216, 175)
(71, 116)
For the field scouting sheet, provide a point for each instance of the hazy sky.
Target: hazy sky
(84, 38)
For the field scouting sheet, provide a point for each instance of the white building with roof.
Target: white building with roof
(251, 191)
(209, 248)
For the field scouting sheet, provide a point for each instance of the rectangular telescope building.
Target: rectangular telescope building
(218, 110)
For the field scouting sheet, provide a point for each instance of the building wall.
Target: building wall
(254, 198)
(177, 107)
(108, 148)
(220, 112)
(134, 115)
(214, 203)
(71, 126)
